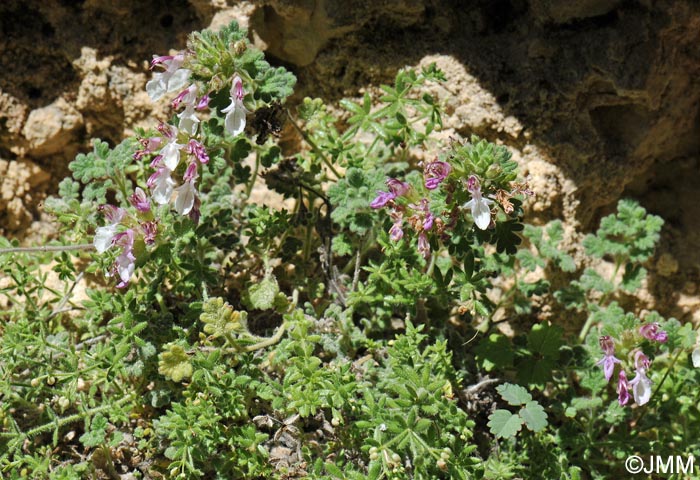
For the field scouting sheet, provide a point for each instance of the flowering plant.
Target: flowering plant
(330, 307)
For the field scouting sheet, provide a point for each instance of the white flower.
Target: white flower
(186, 194)
(696, 357)
(103, 237)
(188, 120)
(480, 211)
(236, 111)
(161, 185)
(171, 153)
(478, 204)
(172, 79)
(641, 387)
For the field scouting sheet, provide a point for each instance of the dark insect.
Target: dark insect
(268, 121)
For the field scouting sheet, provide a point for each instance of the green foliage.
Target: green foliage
(504, 424)
(629, 235)
(342, 329)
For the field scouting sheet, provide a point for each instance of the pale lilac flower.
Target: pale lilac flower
(695, 357)
(171, 80)
(124, 264)
(187, 193)
(382, 199)
(236, 111)
(112, 214)
(198, 151)
(435, 172)
(641, 385)
(397, 187)
(396, 230)
(650, 331)
(423, 245)
(161, 185)
(478, 204)
(623, 394)
(140, 201)
(609, 360)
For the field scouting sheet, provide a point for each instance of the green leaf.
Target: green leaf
(97, 433)
(504, 424)
(633, 277)
(534, 416)
(545, 340)
(514, 394)
(175, 364)
(495, 351)
(534, 371)
(275, 84)
(261, 296)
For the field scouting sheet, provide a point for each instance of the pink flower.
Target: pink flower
(203, 102)
(140, 201)
(396, 189)
(197, 149)
(234, 122)
(650, 331)
(609, 360)
(623, 394)
(435, 172)
(195, 213)
(149, 145)
(396, 230)
(150, 230)
(188, 96)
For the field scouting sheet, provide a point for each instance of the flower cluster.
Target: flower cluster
(640, 385)
(416, 209)
(175, 155)
(128, 232)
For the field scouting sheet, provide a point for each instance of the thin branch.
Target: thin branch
(313, 145)
(48, 248)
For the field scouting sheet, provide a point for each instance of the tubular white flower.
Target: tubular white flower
(103, 237)
(186, 194)
(480, 211)
(236, 111)
(161, 185)
(172, 79)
